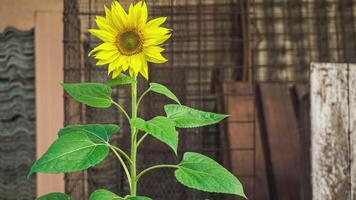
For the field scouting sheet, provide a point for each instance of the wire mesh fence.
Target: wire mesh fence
(214, 41)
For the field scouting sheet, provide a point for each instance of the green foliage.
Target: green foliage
(96, 132)
(185, 117)
(102, 194)
(203, 173)
(139, 198)
(82, 146)
(122, 79)
(161, 128)
(161, 89)
(96, 95)
(70, 153)
(55, 196)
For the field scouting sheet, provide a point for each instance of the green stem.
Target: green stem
(133, 138)
(152, 168)
(122, 153)
(122, 110)
(141, 139)
(143, 95)
(123, 165)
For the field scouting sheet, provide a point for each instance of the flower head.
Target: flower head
(129, 40)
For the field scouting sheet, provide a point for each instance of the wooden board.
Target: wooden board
(239, 103)
(49, 101)
(332, 130)
(281, 129)
(302, 100)
(352, 110)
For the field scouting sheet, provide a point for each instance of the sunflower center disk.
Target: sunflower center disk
(129, 43)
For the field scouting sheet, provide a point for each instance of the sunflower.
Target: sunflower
(129, 40)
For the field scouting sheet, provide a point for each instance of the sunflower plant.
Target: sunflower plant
(130, 41)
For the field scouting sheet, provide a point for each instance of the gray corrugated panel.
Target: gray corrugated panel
(17, 114)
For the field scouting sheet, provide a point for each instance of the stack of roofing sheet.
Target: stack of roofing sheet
(17, 114)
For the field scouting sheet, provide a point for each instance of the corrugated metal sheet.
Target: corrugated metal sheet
(17, 114)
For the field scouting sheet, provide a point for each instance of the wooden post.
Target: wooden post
(49, 94)
(333, 122)
(352, 135)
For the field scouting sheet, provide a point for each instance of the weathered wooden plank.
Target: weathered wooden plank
(352, 110)
(330, 131)
(283, 139)
(300, 94)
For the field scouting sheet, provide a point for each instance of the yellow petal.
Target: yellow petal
(132, 73)
(116, 73)
(144, 69)
(135, 62)
(155, 32)
(107, 61)
(155, 22)
(119, 15)
(123, 61)
(105, 54)
(113, 65)
(155, 60)
(131, 20)
(101, 22)
(108, 15)
(153, 49)
(103, 35)
(135, 12)
(156, 41)
(104, 47)
(143, 17)
(102, 62)
(153, 54)
(125, 66)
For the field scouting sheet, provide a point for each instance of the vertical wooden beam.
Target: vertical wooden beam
(330, 129)
(281, 139)
(352, 135)
(49, 94)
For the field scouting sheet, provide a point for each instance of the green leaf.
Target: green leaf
(70, 153)
(122, 79)
(55, 196)
(161, 128)
(96, 95)
(203, 173)
(139, 198)
(102, 194)
(94, 131)
(185, 117)
(161, 89)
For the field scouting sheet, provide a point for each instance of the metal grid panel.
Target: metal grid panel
(291, 34)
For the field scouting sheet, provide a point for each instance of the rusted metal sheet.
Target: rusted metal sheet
(332, 111)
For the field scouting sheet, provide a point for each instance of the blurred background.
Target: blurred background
(247, 58)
